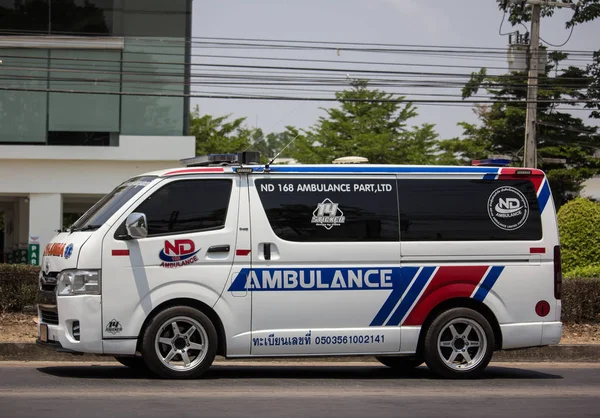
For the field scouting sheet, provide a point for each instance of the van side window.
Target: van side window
(187, 206)
(468, 210)
(331, 210)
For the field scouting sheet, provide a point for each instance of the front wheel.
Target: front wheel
(459, 343)
(179, 343)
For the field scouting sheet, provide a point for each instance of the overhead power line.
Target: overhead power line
(249, 97)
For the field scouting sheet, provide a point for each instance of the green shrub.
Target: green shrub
(579, 226)
(581, 300)
(588, 272)
(18, 286)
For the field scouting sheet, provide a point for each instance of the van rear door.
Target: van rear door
(490, 238)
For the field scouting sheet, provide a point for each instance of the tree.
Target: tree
(586, 11)
(274, 143)
(368, 123)
(566, 145)
(593, 93)
(217, 135)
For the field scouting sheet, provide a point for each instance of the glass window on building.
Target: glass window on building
(153, 62)
(154, 18)
(23, 111)
(89, 113)
(151, 65)
(24, 17)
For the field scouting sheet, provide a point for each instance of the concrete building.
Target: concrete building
(92, 92)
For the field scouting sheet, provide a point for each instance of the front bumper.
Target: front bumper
(60, 332)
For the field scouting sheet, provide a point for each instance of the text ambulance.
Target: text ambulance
(411, 264)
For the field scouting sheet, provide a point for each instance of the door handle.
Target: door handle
(267, 251)
(219, 249)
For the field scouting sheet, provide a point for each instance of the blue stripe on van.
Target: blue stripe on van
(489, 177)
(544, 196)
(384, 169)
(406, 276)
(488, 283)
(411, 296)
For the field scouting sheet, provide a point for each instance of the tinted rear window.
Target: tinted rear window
(468, 210)
(331, 210)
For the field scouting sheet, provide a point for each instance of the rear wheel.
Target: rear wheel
(179, 343)
(401, 363)
(459, 344)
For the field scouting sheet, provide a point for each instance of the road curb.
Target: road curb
(576, 353)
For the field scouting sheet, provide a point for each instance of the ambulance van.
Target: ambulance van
(413, 265)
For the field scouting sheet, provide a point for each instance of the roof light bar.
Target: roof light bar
(246, 157)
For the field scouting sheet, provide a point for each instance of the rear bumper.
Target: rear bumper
(533, 334)
(551, 333)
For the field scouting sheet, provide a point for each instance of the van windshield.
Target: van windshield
(109, 204)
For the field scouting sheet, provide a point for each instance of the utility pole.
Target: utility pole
(530, 157)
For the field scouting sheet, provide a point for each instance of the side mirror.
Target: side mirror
(137, 225)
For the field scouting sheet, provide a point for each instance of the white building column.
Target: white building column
(45, 217)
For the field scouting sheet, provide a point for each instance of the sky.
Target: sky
(473, 23)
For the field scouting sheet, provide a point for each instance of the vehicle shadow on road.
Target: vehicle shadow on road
(323, 372)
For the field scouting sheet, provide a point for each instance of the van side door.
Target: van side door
(325, 264)
(187, 255)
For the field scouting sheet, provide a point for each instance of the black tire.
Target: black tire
(179, 349)
(448, 332)
(134, 363)
(401, 363)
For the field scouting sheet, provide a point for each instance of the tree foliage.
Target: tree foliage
(218, 135)
(593, 93)
(566, 146)
(368, 123)
(586, 11)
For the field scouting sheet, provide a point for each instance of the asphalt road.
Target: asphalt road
(330, 390)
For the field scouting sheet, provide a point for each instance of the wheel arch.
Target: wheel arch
(192, 303)
(469, 303)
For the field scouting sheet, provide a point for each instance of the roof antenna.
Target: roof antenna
(279, 153)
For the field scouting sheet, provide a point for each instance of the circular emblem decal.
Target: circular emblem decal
(68, 251)
(508, 208)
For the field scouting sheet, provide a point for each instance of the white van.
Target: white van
(410, 264)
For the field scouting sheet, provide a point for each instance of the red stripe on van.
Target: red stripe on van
(449, 282)
(117, 253)
(195, 170)
(242, 253)
(536, 250)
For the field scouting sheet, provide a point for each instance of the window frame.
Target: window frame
(166, 184)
